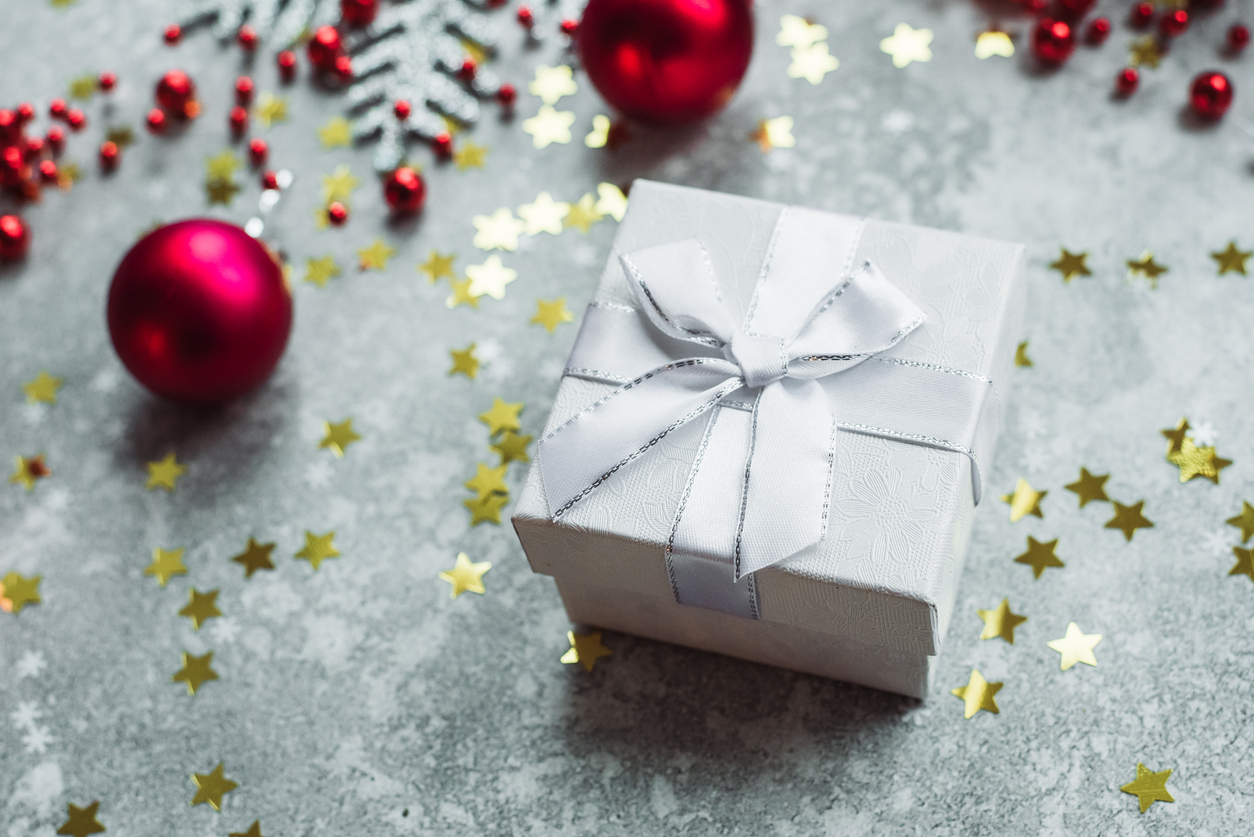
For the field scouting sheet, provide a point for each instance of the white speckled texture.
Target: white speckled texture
(361, 699)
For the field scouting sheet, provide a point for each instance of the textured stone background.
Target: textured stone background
(361, 699)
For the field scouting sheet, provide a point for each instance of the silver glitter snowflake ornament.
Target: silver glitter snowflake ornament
(281, 22)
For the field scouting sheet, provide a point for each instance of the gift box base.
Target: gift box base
(772, 643)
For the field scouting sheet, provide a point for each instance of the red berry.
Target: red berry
(525, 17)
(258, 151)
(34, 148)
(442, 144)
(359, 12)
(76, 119)
(404, 190)
(1211, 94)
(107, 81)
(173, 34)
(337, 213)
(48, 171)
(247, 38)
(25, 112)
(10, 127)
(1099, 30)
(324, 47)
(1075, 9)
(238, 119)
(12, 166)
(1238, 37)
(1127, 80)
(402, 109)
(14, 237)
(506, 95)
(287, 64)
(269, 179)
(56, 139)
(344, 67)
(108, 154)
(58, 109)
(1141, 15)
(156, 120)
(570, 27)
(175, 92)
(1173, 23)
(1052, 40)
(467, 70)
(243, 90)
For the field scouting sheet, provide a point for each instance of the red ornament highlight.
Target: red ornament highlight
(666, 61)
(247, 38)
(1053, 41)
(337, 214)
(287, 65)
(402, 109)
(199, 311)
(324, 48)
(156, 121)
(1238, 38)
(1127, 81)
(1098, 31)
(10, 127)
(1211, 94)
(58, 109)
(1173, 23)
(14, 237)
(76, 119)
(56, 139)
(176, 92)
(506, 95)
(442, 145)
(404, 190)
(238, 119)
(258, 151)
(109, 155)
(12, 166)
(526, 18)
(25, 112)
(1141, 15)
(107, 82)
(172, 34)
(243, 90)
(48, 172)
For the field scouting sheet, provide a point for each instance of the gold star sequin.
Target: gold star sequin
(1024, 501)
(1149, 787)
(211, 787)
(552, 314)
(1076, 647)
(498, 231)
(1231, 260)
(1000, 621)
(502, 416)
(338, 437)
(338, 185)
(165, 473)
(201, 607)
(222, 166)
(977, 694)
(908, 44)
(83, 87)
(437, 266)
(254, 830)
(1021, 355)
(318, 548)
(466, 576)
(796, 31)
(489, 278)
(994, 42)
(585, 649)
(774, 133)
(270, 109)
(195, 672)
(375, 257)
(221, 191)
(611, 201)
(470, 156)
(812, 62)
(1175, 436)
(17, 591)
(1071, 265)
(464, 362)
(256, 556)
(486, 509)
(82, 821)
(1194, 461)
(1145, 267)
(488, 481)
(337, 133)
(321, 270)
(28, 469)
(461, 294)
(1128, 519)
(1145, 52)
(512, 447)
(1244, 521)
(549, 126)
(552, 83)
(1243, 566)
(1040, 556)
(583, 214)
(543, 215)
(43, 389)
(166, 563)
(1089, 487)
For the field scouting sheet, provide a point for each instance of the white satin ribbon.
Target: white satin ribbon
(773, 389)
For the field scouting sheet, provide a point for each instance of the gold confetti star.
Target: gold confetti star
(1128, 519)
(270, 109)
(466, 576)
(1040, 556)
(68, 173)
(1231, 260)
(1243, 566)
(321, 270)
(552, 83)
(599, 136)
(318, 548)
(486, 509)
(488, 481)
(1244, 521)
(796, 31)
(375, 257)
(82, 821)
(585, 649)
(1146, 267)
(195, 672)
(1021, 355)
(1024, 501)
(543, 215)
(549, 126)
(977, 694)
(774, 133)
(611, 201)
(1089, 487)
(201, 607)
(43, 389)
(17, 591)
(470, 156)
(121, 135)
(502, 416)
(1175, 437)
(1076, 647)
(221, 166)
(498, 231)
(994, 42)
(166, 563)
(489, 278)
(165, 473)
(812, 62)
(211, 787)
(1000, 621)
(337, 133)
(83, 87)
(583, 214)
(221, 192)
(552, 314)
(1194, 461)
(338, 437)
(254, 830)
(256, 556)
(437, 266)
(1145, 52)
(1149, 787)
(338, 186)
(512, 447)
(464, 362)
(908, 44)
(28, 469)
(461, 295)
(1071, 265)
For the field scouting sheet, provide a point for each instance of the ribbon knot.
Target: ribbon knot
(762, 359)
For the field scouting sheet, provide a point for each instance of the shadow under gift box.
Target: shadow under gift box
(871, 603)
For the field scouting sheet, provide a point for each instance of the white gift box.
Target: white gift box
(771, 435)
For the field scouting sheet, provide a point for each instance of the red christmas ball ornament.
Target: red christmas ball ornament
(109, 154)
(337, 214)
(344, 67)
(402, 109)
(287, 64)
(1173, 23)
(13, 167)
(270, 179)
(243, 90)
(48, 171)
(156, 121)
(442, 145)
(404, 190)
(1238, 38)
(14, 237)
(569, 27)
(666, 61)
(199, 311)
(506, 95)
(56, 139)
(76, 119)
(10, 127)
(107, 82)
(172, 34)
(324, 47)
(176, 92)
(25, 112)
(1141, 15)
(258, 151)
(238, 119)
(526, 18)
(34, 148)
(58, 109)
(359, 12)
(1098, 31)
(247, 38)
(1053, 41)
(1211, 94)
(467, 70)
(1127, 80)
